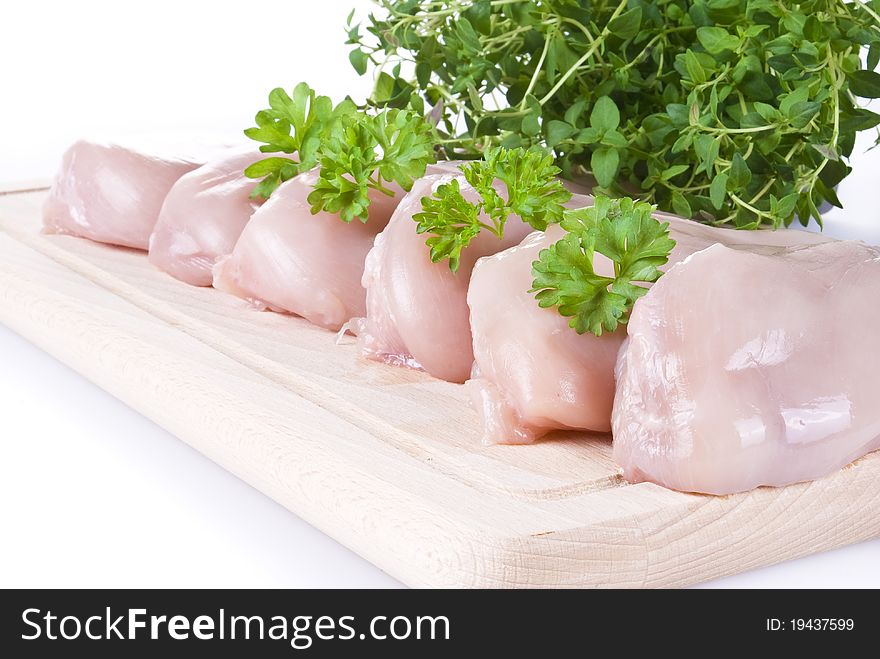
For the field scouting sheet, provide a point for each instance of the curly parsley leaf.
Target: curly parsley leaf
(626, 233)
(363, 152)
(357, 151)
(406, 145)
(453, 221)
(530, 181)
(343, 183)
(293, 124)
(508, 181)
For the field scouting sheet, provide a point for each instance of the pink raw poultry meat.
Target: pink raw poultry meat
(202, 217)
(112, 192)
(290, 260)
(772, 380)
(532, 372)
(417, 312)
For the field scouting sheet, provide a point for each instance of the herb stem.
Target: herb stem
(870, 11)
(737, 131)
(748, 206)
(538, 68)
(587, 55)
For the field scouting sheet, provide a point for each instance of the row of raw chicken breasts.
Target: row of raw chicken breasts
(753, 361)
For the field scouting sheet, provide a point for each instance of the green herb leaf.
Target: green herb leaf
(718, 190)
(680, 204)
(672, 172)
(293, 124)
(716, 39)
(605, 115)
(558, 131)
(362, 152)
(565, 276)
(627, 24)
(359, 61)
(865, 84)
(740, 175)
(518, 181)
(453, 221)
(604, 164)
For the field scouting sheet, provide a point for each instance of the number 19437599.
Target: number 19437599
(810, 624)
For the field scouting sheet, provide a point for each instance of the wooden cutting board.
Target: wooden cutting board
(388, 461)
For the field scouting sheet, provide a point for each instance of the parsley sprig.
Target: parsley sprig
(739, 112)
(363, 152)
(356, 150)
(292, 124)
(521, 182)
(625, 232)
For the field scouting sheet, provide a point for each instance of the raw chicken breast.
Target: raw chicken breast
(112, 192)
(202, 217)
(746, 369)
(417, 313)
(290, 260)
(532, 372)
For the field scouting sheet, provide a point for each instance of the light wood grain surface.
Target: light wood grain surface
(386, 460)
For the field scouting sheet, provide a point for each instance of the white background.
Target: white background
(92, 493)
